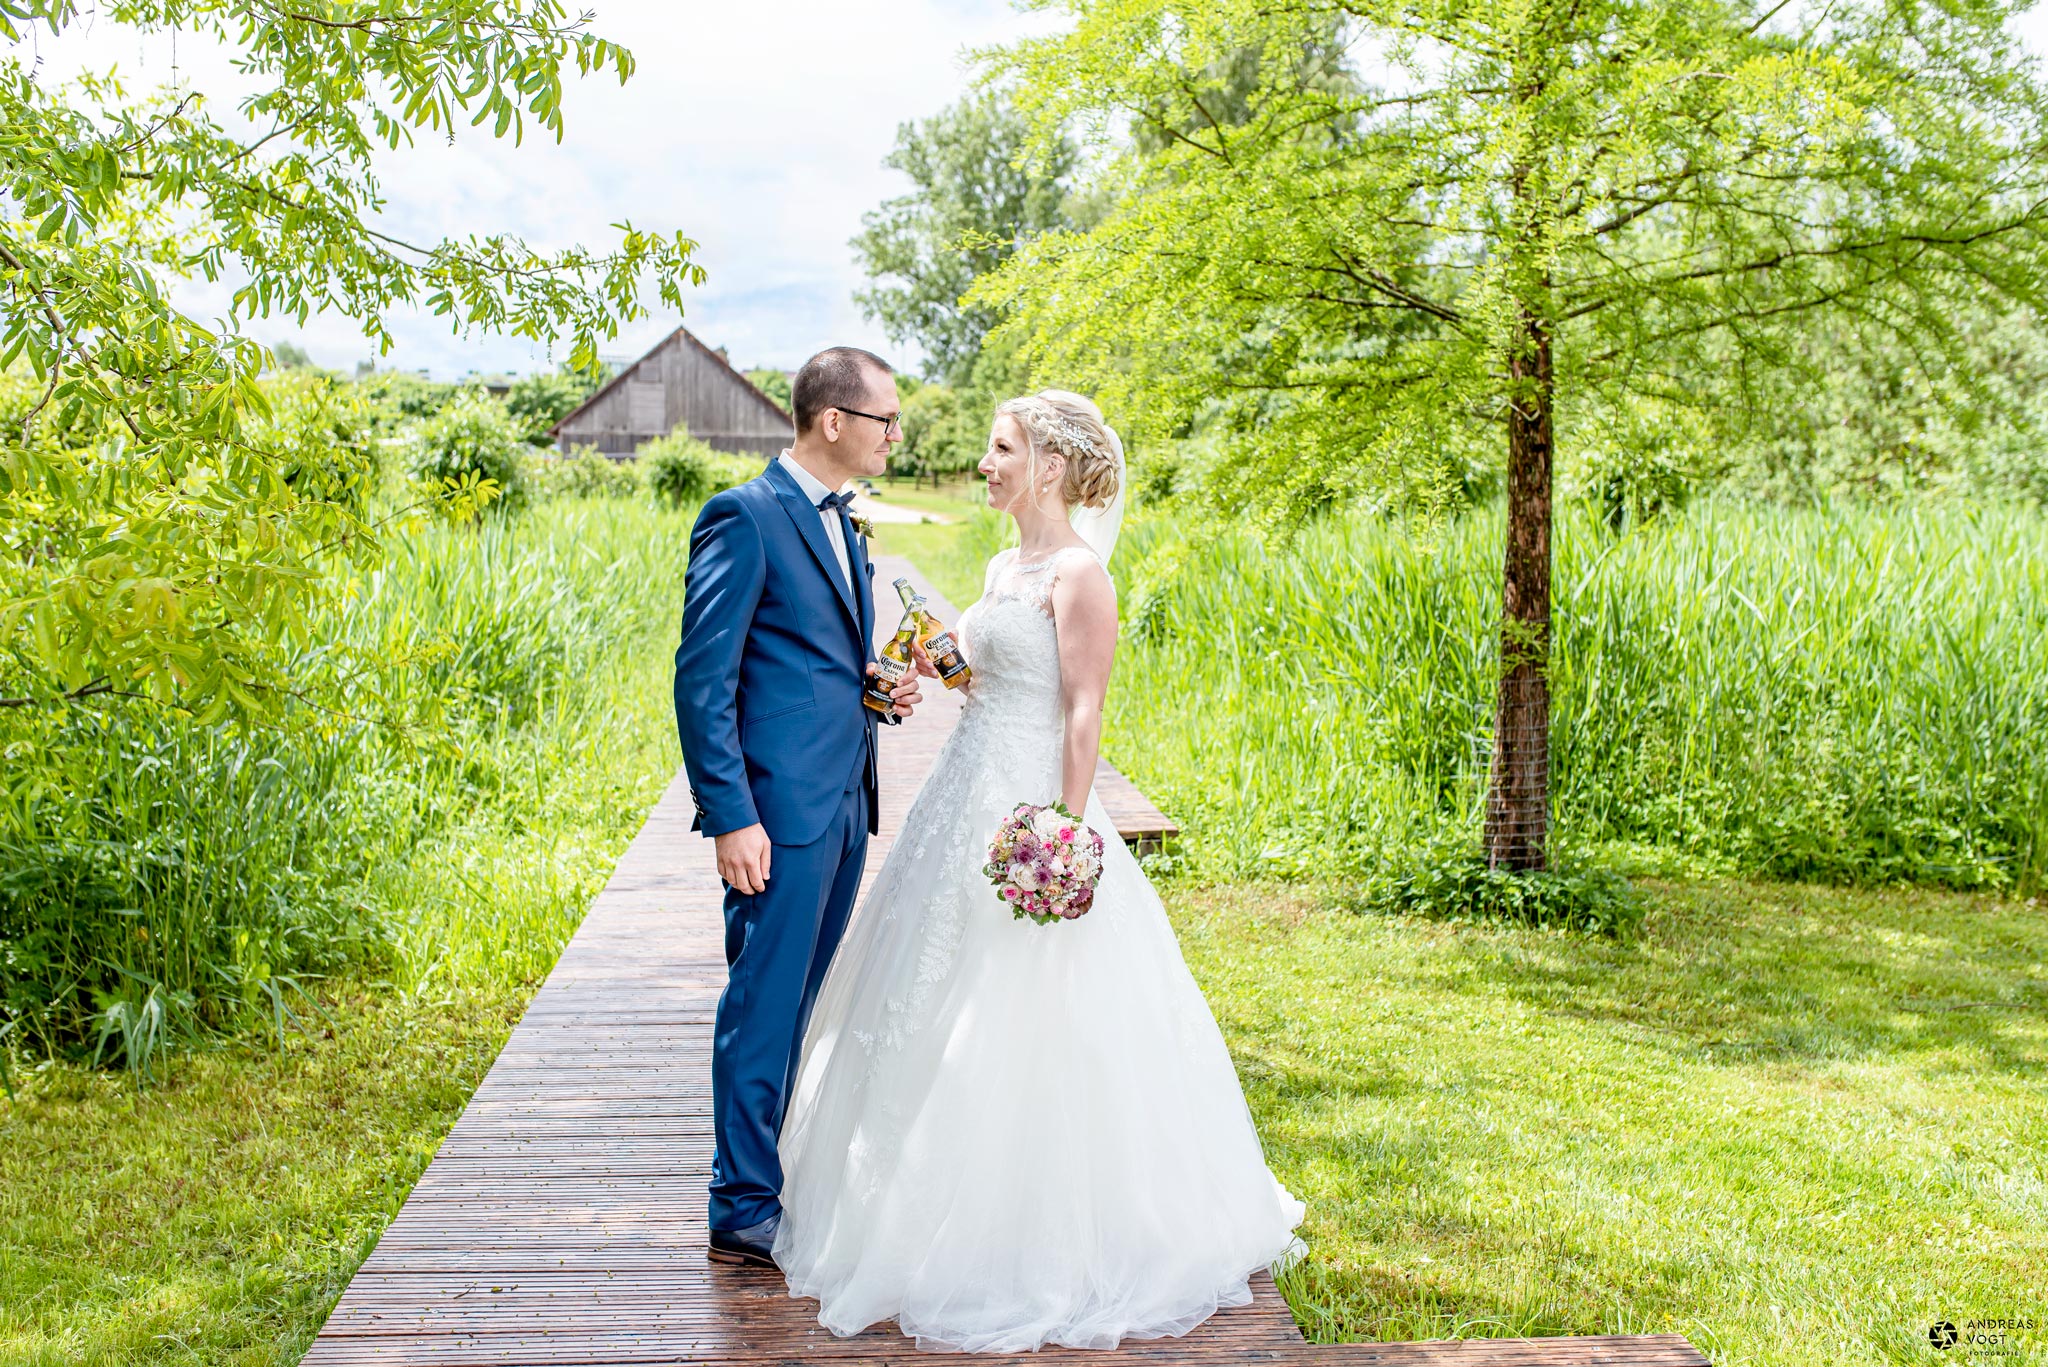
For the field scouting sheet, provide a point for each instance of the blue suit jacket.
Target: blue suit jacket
(768, 675)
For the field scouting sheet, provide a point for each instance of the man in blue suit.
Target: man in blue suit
(778, 613)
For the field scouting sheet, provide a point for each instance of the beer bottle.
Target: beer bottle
(892, 662)
(938, 641)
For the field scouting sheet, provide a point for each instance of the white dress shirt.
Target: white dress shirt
(814, 489)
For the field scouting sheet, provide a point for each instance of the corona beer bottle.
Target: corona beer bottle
(892, 662)
(938, 641)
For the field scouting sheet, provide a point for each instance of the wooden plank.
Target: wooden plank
(1143, 826)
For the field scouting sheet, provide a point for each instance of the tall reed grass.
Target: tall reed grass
(162, 880)
(1846, 696)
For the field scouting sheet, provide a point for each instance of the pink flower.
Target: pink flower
(1067, 834)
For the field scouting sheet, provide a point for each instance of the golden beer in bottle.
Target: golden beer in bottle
(893, 660)
(939, 643)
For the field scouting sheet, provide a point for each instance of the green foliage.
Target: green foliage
(163, 879)
(330, 433)
(946, 430)
(396, 399)
(680, 469)
(183, 573)
(775, 384)
(1450, 880)
(177, 554)
(1857, 412)
(976, 199)
(940, 436)
(540, 400)
(1550, 217)
(291, 356)
(1347, 279)
(1850, 696)
(470, 441)
(585, 472)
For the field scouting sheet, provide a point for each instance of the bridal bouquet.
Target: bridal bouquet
(1044, 863)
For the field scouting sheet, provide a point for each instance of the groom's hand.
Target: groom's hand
(743, 858)
(905, 692)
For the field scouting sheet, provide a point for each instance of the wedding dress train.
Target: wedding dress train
(1005, 1135)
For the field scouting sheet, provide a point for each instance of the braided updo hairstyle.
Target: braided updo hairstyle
(1061, 421)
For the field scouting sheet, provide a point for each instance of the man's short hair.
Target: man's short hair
(834, 378)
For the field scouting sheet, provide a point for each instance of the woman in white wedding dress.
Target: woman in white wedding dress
(1006, 1134)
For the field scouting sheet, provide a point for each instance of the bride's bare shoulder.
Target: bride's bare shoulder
(1081, 580)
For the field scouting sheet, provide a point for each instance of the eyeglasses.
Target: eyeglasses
(891, 424)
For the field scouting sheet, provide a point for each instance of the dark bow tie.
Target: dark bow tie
(831, 501)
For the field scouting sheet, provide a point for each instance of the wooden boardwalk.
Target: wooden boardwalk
(562, 1221)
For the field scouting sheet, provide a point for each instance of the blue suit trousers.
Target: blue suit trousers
(778, 944)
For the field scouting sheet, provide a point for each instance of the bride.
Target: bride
(1007, 1134)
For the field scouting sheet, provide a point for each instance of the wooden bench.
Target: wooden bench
(562, 1220)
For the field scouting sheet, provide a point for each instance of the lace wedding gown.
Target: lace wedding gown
(1003, 1134)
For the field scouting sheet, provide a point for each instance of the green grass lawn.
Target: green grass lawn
(948, 500)
(1797, 1125)
(216, 1219)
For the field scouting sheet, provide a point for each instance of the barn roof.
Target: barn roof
(619, 376)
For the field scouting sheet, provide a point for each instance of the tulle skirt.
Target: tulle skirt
(1006, 1135)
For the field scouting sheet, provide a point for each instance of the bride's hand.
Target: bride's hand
(924, 661)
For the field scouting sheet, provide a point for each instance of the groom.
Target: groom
(778, 613)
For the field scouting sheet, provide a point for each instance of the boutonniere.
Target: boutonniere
(863, 526)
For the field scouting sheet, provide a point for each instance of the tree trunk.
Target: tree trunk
(1518, 792)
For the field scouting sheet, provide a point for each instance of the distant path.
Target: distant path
(875, 510)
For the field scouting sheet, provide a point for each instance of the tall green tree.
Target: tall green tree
(976, 199)
(159, 535)
(1519, 212)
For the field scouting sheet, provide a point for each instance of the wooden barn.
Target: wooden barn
(680, 382)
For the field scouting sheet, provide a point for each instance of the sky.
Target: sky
(757, 129)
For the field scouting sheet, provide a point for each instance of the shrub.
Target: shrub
(775, 384)
(394, 398)
(681, 469)
(321, 427)
(1448, 879)
(474, 435)
(585, 472)
(538, 401)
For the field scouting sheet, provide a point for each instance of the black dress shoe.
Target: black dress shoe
(749, 1247)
